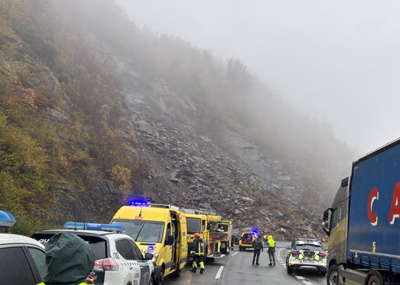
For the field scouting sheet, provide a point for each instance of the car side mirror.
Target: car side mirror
(170, 240)
(148, 256)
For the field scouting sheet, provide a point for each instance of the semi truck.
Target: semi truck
(363, 223)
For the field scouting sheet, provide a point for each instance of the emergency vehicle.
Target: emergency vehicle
(215, 232)
(118, 260)
(157, 229)
(246, 240)
(22, 259)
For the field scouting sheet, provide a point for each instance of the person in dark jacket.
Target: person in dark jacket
(258, 247)
(69, 260)
(198, 253)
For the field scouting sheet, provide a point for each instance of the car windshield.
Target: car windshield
(143, 231)
(309, 247)
(193, 225)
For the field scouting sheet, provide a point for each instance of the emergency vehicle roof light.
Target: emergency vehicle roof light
(7, 219)
(94, 227)
(138, 202)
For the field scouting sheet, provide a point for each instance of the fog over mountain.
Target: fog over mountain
(336, 61)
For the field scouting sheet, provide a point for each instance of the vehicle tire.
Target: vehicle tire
(160, 278)
(177, 273)
(151, 281)
(332, 277)
(289, 269)
(374, 280)
(240, 248)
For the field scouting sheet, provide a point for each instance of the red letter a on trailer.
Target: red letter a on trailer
(373, 217)
(395, 207)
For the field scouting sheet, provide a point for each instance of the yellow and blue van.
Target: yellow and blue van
(157, 229)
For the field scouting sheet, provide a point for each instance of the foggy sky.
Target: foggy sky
(337, 61)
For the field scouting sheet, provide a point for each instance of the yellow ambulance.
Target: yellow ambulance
(160, 230)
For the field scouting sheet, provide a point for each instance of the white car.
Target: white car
(22, 260)
(119, 260)
(306, 254)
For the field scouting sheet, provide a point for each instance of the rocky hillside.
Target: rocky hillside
(94, 111)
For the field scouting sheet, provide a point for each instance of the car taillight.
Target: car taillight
(107, 264)
(295, 253)
(98, 265)
(322, 254)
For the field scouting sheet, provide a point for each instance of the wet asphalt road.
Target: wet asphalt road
(237, 269)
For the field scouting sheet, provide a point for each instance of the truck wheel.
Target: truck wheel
(240, 248)
(374, 280)
(332, 276)
(289, 270)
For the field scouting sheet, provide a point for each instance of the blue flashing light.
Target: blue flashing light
(150, 248)
(7, 219)
(138, 202)
(255, 231)
(94, 227)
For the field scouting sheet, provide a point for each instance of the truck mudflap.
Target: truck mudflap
(354, 276)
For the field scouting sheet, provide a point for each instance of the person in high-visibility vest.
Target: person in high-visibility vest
(69, 260)
(198, 253)
(271, 250)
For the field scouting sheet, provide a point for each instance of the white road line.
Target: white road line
(234, 254)
(219, 272)
(307, 283)
(279, 256)
(300, 277)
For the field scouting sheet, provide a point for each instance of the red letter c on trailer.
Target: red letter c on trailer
(373, 217)
(395, 207)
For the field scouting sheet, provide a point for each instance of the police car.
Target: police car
(22, 259)
(119, 260)
(306, 253)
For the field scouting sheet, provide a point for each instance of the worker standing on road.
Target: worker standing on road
(198, 253)
(265, 240)
(271, 250)
(69, 260)
(258, 246)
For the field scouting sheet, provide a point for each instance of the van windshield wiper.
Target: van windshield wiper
(141, 228)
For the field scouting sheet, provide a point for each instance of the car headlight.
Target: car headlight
(155, 258)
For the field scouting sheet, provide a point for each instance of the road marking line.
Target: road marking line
(307, 283)
(219, 272)
(279, 255)
(234, 254)
(300, 277)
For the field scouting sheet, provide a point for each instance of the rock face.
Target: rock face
(217, 169)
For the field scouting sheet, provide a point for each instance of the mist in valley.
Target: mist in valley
(335, 62)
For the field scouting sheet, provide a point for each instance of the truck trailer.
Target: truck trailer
(363, 223)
